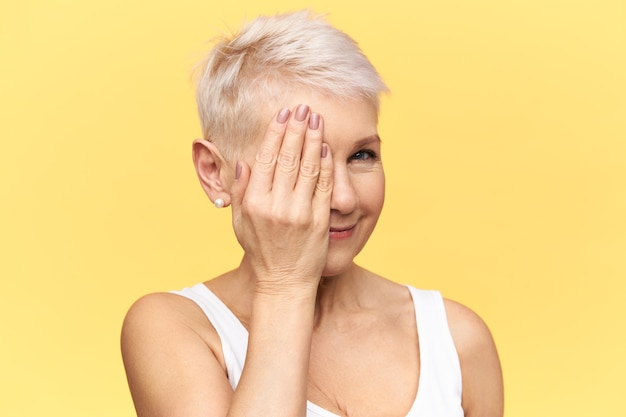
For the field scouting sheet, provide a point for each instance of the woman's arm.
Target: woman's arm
(480, 366)
(280, 215)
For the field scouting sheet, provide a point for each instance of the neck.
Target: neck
(345, 293)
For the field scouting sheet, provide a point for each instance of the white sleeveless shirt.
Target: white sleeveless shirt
(439, 390)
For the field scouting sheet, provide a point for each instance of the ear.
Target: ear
(211, 169)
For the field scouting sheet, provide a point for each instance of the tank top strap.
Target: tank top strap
(233, 335)
(440, 386)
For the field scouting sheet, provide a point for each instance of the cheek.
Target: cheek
(372, 193)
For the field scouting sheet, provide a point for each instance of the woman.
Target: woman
(289, 108)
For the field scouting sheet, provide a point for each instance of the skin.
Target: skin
(305, 199)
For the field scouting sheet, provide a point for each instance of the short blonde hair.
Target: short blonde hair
(269, 56)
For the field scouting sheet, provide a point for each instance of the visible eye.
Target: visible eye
(363, 155)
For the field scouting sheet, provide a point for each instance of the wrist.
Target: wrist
(282, 293)
(290, 312)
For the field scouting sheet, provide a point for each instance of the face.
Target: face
(350, 130)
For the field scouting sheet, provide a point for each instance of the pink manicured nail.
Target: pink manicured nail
(237, 170)
(324, 150)
(314, 121)
(301, 112)
(282, 116)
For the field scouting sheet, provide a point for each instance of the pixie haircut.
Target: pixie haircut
(268, 57)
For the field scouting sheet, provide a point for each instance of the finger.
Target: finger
(324, 185)
(238, 190)
(311, 158)
(262, 175)
(288, 161)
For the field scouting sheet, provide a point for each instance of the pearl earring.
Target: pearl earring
(219, 203)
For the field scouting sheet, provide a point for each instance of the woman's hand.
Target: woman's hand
(281, 207)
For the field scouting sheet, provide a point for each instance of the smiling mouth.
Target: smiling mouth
(336, 233)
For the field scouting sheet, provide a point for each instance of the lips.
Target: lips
(336, 233)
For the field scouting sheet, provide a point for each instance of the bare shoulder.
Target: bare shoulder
(169, 353)
(468, 328)
(480, 365)
(163, 309)
(161, 314)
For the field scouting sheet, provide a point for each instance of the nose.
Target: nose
(343, 198)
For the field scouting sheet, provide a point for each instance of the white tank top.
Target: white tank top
(439, 390)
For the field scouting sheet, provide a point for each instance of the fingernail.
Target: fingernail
(283, 115)
(324, 150)
(314, 121)
(301, 112)
(237, 170)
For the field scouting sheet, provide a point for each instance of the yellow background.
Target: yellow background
(504, 145)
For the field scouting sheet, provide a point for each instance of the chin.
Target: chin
(335, 267)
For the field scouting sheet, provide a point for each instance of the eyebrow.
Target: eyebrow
(367, 140)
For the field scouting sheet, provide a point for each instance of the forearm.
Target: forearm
(281, 218)
(274, 379)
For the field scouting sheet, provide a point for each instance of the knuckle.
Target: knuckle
(288, 213)
(309, 169)
(299, 219)
(324, 184)
(265, 156)
(287, 160)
